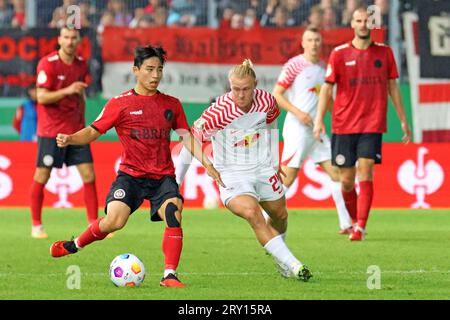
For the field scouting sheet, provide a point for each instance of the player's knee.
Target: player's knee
(88, 176)
(113, 223)
(170, 214)
(254, 217)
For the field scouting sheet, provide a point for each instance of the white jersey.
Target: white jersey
(303, 80)
(241, 141)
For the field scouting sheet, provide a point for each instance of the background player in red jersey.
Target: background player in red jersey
(62, 77)
(365, 73)
(143, 118)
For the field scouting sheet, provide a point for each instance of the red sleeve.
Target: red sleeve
(45, 75)
(180, 121)
(273, 111)
(108, 118)
(392, 66)
(330, 75)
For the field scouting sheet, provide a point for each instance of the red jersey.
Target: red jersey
(66, 115)
(362, 87)
(143, 124)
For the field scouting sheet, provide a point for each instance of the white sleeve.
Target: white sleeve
(182, 164)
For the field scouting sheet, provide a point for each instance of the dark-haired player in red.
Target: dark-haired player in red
(143, 118)
(365, 73)
(62, 77)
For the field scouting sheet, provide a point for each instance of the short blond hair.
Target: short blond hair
(245, 69)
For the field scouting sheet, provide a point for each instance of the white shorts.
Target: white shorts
(264, 184)
(299, 144)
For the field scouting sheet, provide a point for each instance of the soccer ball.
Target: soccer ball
(210, 203)
(126, 270)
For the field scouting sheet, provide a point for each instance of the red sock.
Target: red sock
(364, 202)
(37, 198)
(171, 245)
(91, 234)
(350, 199)
(90, 199)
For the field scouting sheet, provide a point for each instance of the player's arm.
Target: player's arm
(195, 148)
(46, 96)
(325, 99)
(285, 104)
(396, 98)
(83, 136)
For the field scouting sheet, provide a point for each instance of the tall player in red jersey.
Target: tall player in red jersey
(62, 77)
(365, 74)
(143, 118)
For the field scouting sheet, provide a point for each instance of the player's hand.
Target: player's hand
(213, 173)
(318, 130)
(407, 133)
(77, 87)
(62, 140)
(304, 118)
(281, 172)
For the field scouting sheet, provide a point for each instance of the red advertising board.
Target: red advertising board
(411, 176)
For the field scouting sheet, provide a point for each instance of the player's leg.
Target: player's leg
(167, 205)
(81, 156)
(49, 156)
(345, 222)
(182, 164)
(40, 179)
(172, 243)
(125, 196)
(369, 154)
(365, 178)
(343, 155)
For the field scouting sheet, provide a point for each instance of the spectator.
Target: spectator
(225, 22)
(237, 21)
(85, 11)
(146, 21)
(59, 18)
(281, 18)
(107, 20)
(121, 16)
(251, 19)
(293, 12)
(315, 17)
(257, 5)
(6, 14)
(329, 19)
(25, 119)
(347, 13)
(160, 17)
(138, 14)
(18, 19)
(152, 6)
(183, 13)
(268, 15)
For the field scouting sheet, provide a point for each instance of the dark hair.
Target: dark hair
(143, 53)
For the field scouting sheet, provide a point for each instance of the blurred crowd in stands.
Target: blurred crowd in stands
(235, 14)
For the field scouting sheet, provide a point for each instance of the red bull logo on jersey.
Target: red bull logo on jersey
(248, 141)
(315, 89)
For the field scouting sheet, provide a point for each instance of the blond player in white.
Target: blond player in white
(297, 92)
(242, 127)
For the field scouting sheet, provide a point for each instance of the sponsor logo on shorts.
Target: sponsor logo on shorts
(340, 159)
(378, 156)
(47, 160)
(119, 194)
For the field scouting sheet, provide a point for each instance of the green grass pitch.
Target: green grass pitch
(222, 260)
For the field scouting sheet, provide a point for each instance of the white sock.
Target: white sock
(168, 271)
(279, 250)
(344, 218)
(182, 164)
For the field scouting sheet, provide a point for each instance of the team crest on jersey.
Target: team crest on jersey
(378, 63)
(168, 114)
(248, 141)
(42, 77)
(340, 159)
(119, 194)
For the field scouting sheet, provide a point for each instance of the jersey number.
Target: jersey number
(275, 180)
